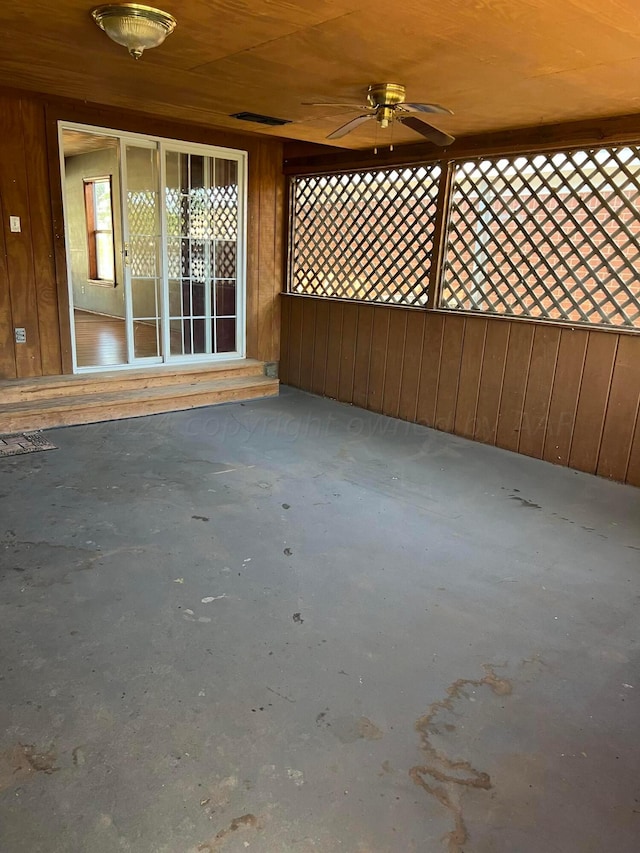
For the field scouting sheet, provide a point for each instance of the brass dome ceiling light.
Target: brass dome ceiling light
(134, 26)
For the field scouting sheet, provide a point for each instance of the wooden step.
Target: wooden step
(68, 410)
(45, 387)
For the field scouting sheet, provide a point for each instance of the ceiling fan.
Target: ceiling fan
(386, 104)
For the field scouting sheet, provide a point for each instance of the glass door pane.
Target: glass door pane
(225, 270)
(143, 251)
(93, 237)
(201, 209)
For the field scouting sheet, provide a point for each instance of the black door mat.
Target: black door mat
(28, 442)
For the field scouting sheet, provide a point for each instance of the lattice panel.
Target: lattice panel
(224, 259)
(143, 234)
(197, 259)
(366, 235)
(143, 257)
(141, 210)
(203, 213)
(224, 203)
(174, 257)
(177, 213)
(553, 235)
(200, 220)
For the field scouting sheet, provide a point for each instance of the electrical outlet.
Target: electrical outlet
(14, 224)
(21, 335)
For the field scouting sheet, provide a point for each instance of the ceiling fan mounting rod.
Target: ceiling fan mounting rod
(384, 116)
(385, 97)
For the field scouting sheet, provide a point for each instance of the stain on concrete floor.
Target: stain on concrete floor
(442, 776)
(22, 761)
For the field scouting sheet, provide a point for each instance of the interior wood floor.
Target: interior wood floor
(101, 341)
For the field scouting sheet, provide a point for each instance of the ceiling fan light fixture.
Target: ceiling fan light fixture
(134, 26)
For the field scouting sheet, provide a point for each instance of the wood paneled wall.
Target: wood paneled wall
(28, 291)
(33, 277)
(570, 396)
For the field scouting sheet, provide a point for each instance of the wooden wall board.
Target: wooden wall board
(320, 344)
(633, 469)
(366, 314)
(14, 196)
(535, 411)
(269, 259)
(378, 361)
(254, 235)
(414, 339)
(622, 411)
(285, 345)
(473, 347)
(449, 373)
(7, 351)
(280, 248)
(593, 401)
(564, 395)
(491, 381)
(307, 343)
(348, 351)
(514, 386)
(41, 236)
(334, 343)
(430, 369)
(295, 341)
(396, 358)
(59, 248)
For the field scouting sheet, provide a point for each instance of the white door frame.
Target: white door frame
(149, 145)
(162, 144)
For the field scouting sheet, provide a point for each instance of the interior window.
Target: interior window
(99, 213)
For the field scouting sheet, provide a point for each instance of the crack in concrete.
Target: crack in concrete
(453, 775)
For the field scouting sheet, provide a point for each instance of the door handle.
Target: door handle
(126, 254)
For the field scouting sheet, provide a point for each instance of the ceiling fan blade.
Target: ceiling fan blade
(438, 137)
(426, 108)
(349, 126)
(349, 106)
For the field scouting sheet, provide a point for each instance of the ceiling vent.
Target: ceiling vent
(258, 119)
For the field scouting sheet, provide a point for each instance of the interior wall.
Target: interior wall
(33, 273)
(567, 395)
(90, 295)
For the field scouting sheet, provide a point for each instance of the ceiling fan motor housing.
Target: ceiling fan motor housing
(385, 94)
(385, 97)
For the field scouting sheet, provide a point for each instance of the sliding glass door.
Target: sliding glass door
(202, 210)
(177, 290)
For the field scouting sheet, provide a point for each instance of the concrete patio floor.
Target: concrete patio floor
(292, 626)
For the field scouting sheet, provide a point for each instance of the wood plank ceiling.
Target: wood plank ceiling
(499, 64)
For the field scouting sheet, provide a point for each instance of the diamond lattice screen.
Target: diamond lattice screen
(143, 233)
(365, 235)
(547, 235)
